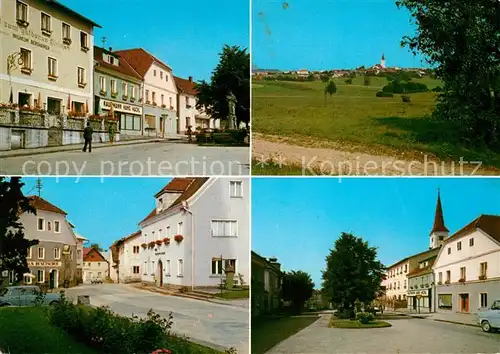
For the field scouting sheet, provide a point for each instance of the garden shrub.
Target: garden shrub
(406, 99)
(397, 86)
(437, 89)
(348, 81)
(365, 317)
(345, 314)
(108, 332)
(384, 94)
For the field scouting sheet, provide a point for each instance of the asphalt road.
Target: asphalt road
(149, 159)
(405, 336)
(204, 322)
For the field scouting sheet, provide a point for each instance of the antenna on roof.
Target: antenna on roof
(38, 186)
(104, 40)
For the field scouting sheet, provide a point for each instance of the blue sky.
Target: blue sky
(185, 35)
(329, 34)
(103, 211)
(298, 220)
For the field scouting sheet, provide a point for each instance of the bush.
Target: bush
(345, 314)
(384, 94)
(397, 86)
(365, 317)
(437, 89)
(406, 99)
(108, 332)
(348, 81)
(366, 80)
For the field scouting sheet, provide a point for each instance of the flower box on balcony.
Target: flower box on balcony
(26, 71)
(178, 238)
(95, 117)
(440, 283)
(148, 102)
(84, 49)
(171, 108)
(103, 93)
(124, 97)
(154, 104)
(52, 77)
(163, 106)
(447, 282)
(151, 244)
(132, 99)
(166, 240)
(482, 277)
(421, 285)
(144, 245)
(461, 280)
(114, 94)
(67, 41)
(159, 242)
(82, 84)
(46, 32)
(427, 285)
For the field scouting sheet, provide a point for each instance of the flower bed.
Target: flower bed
(178, 238)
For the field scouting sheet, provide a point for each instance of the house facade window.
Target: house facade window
(147, 96)
(440, 277)
(224, 228)
(27, 280)
(448, 276)
(41, 224)
(57, 226)
(145, 268)
(235, 188)
(471, 242)
(462, 273)
(66, 31)
(113, 87)
(124, 89)
(40, 276)
(162, 99)
(459, 246)
(135, 270)
(21, 11)
(102, 83)
(132, 92)
(153, 96)
(26, 58)
(46, 23)
(167, 271)
(483, 268)
(180, 228)
(84, 41)
(57, 253)
(168, 231)
(81, 76)
(483, 298)
(180, 268)
(449, 250)
(49, 226)
(135, 249)
(52, 62)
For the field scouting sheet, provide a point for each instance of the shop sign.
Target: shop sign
(27, 35)
(121, 107)
(159, 253)
(417, 292)
(44, 264)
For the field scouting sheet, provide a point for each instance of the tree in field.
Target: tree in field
(330, 89)
(366, 80)
(461, 39)
(13, 246)
(298, 288)
(352, 272)
(325, 77)
(232, 74)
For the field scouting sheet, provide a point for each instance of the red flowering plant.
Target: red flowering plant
(159, 242)
(95, 117)
(151, 244)
(162, 351)
(178, 238)
(166, 240)
(144, 245)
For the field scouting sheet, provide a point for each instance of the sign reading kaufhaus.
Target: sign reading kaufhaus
(26, 35)
(121, 107)
(44, 264)
(418, 292)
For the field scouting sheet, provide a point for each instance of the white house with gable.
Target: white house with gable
(467, 269)
(197, 229)
(126, 259)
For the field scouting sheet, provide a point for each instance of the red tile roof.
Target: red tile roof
(123, 66)
(141, 60)
(438, 218)
(490, 224)
(91, 254)
(41, 204)
(186, 86)
(186, 186)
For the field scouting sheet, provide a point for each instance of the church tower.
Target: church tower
(382, 61)
(439, 231)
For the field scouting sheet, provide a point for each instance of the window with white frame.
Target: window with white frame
(152, 267)
(145, 267)
(81, 76)
(29, 253)
(135, 270)
(46, 23)
(161, 75)
(440, 277)
(27, 279)
(41, 224)
(12, 277)
(124, 89)
(147, 96)
(40, 276)
(135, 249)
(168, 231)
(484, 300)
(168, 267)
(235, 188)
(57, 253)
(132, 92)
(180, 268)
(483, 268)
(49, 226)
(266, 280)
(102, 83)
(170, 101)
(84, 41)
(162, 99)
(462, 273)
(21, 11)
(113, 86)
(26, 58)
(180, 228)
(66, 31)
(153, 96)
(41, 253)
(224, 228)
(57, 226)
(219, 267)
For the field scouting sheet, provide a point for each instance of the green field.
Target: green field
(354, 119)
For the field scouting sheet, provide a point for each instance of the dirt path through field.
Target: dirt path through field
(333, 161)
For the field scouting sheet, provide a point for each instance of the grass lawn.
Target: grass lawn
(336, 323)
(26, 330)
(273, 169)
(355, 117)
(234, 294)
(267, 334)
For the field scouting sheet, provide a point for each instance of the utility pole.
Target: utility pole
(39, 186)
(104, 40)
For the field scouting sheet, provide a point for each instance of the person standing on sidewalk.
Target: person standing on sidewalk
(87, 136)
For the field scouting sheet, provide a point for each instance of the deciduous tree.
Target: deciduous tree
(297, 288)
(352, 272)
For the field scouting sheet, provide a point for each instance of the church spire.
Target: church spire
(438, 217)
(383, 56)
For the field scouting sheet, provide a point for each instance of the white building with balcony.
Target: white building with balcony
(198, 228)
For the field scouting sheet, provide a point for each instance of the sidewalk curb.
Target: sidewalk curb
(458, 323)
(75, 148)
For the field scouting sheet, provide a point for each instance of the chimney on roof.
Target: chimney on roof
(190, 79)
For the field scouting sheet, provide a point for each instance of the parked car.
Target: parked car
(96, 281)
(490, 318)
(26, 295)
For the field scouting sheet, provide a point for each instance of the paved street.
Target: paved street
(405, 336)
(149, 159)
(222, 325)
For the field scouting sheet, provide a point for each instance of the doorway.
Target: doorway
(162, 126)
(464, 302)
(160, 273)
(53, 106)
(53, 283)
(414, 303)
